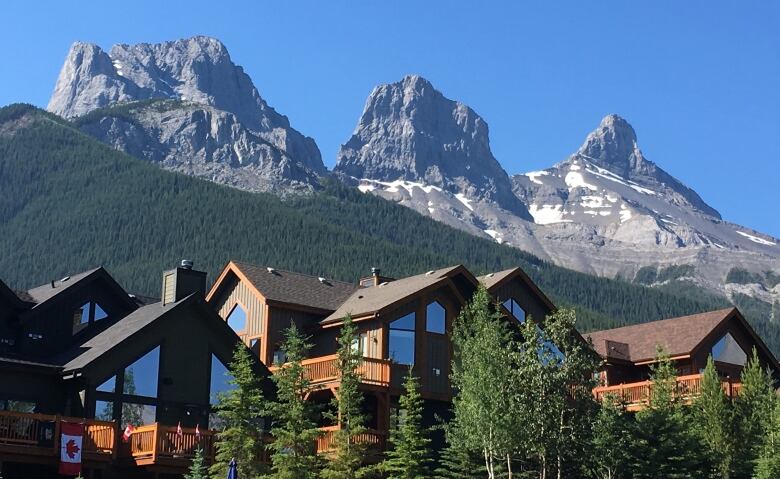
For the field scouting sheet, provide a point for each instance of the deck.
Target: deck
(636, 395)
(375, 440)
(162, 446)
(31, 437)
(323, 370)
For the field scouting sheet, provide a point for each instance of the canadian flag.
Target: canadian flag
(197, 431)
(71, 436)
(129, 430)
(179, 432)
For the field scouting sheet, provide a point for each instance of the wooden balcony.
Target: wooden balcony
(636, 396)
(323, 370)
(36, 437)
(375, 440)
(159, 445)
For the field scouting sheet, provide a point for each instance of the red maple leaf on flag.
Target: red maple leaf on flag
(71, 449)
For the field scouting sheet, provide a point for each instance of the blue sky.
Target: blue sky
(699, 81)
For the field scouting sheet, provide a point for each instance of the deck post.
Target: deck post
(155, 441)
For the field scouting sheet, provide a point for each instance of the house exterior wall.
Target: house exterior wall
(237, 292)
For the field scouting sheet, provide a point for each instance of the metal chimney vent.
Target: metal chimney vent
(187, 264)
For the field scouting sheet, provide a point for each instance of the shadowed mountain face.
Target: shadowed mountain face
(186, 105)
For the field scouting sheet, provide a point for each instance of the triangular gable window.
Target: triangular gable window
(727, 350)
(515, 309)
(87, 314)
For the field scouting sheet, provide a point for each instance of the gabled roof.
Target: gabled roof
(44, 292)
(679, 336)
(290, 288)
(373, 299)
(112, 336)
(497, 279)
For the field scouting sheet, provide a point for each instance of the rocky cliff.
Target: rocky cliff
(213, 122)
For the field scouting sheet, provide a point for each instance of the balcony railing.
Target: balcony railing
(324, 369)
(637, 395)
(375, 440)
(156, 444)
(34, 434)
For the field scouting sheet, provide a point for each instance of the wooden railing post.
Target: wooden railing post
(155, 441)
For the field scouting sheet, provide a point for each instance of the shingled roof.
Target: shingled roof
(41, 293)
(679, 336)
(375, 298)
(296, 288)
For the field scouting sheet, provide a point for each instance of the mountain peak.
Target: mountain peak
(411, 131)
(613, 146)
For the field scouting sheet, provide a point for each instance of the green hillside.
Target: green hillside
(69, 203)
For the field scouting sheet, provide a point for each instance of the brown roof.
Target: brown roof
(678, 336)
(375, 298)
(41, 293)
(492, 279)
(297, 288)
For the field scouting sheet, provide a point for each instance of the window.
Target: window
(17, 406)
(280, 357)
(141, 376)
(435, 318)
(727, 350)
(237, 319)
(138, 414)
(109, 386)
(104, 410)
(515, 310)
(254, 346)
(86, 314)
(220, 380)
(402, 339)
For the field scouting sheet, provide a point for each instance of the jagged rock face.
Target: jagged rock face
(213, 143)
(613, 146)
(222, 122)
(410, 131)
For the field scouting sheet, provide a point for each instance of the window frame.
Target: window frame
(428, 319)
(390, 330)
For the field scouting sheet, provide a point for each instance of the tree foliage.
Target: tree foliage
(347, 458)
(241, 409)
(409, 455)
(295, 428)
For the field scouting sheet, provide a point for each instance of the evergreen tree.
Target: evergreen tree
(753, 408)
(486, 413)
(665, 446)
(241, 409)
(611, 447)
(768, 463)
(409, 455)
(295, 429)
(198, 468)
(345, 461)
(712, 422)
(456, 462)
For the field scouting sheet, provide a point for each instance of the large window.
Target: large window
(237, 319)
(130, 394)
(220, 380)
(402, 339)
(435, 318)
(515, 310)
(141, 376)
(727, 350)
(87, 314)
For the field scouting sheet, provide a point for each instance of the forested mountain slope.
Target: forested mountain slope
(69, 203)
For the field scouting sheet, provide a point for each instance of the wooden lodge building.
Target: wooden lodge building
(82, 349)
(401, 322)
(629, 352)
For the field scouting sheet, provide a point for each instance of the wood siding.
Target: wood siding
(236, 292)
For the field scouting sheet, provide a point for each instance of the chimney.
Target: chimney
(181, 282)
(375, 274)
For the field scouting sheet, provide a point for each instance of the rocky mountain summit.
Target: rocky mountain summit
(186, 105)
(410, 132)
(605, 210)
